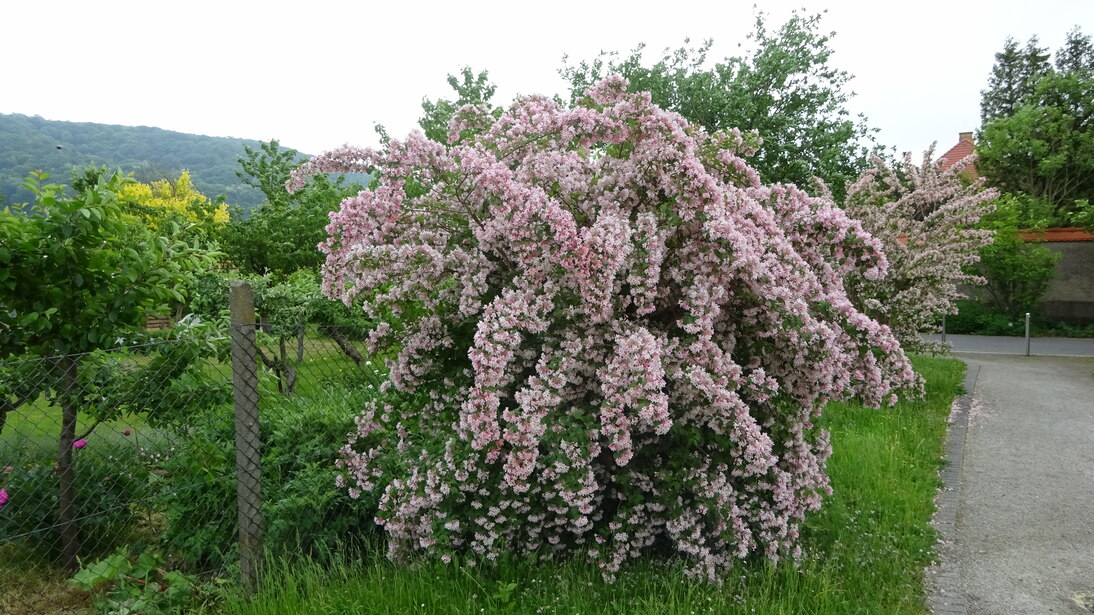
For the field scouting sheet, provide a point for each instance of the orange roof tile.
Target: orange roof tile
(1070, 233)
(965, 147)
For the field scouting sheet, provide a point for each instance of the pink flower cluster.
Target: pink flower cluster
(605, 334)
(926, 219)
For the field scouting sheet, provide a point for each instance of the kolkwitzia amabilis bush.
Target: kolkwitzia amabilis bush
(610, 338)
(926, 219)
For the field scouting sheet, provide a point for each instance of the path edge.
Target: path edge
(946, 595)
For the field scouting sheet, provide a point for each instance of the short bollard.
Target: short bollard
(1027, 334)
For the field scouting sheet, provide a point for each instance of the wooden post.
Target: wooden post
(248, 459)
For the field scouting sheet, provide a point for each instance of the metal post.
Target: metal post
(1027, 334)
(248, 460)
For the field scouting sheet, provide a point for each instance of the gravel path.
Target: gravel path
(1025, 506)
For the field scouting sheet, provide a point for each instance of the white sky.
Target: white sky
(318, 73)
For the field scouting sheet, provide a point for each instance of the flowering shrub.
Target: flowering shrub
(926, 219)
(607, 337)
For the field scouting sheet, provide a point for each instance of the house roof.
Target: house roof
(1070, 233)
(965, 147)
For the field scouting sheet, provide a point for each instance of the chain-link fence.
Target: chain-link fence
(213, 445)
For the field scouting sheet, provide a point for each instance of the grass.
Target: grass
(37, 589)
(865, 550)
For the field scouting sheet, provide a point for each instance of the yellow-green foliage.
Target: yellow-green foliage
(179, 201)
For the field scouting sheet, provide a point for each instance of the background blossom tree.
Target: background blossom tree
(926, 219)
(605, 335)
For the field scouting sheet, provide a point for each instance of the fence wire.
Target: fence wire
(161, 438)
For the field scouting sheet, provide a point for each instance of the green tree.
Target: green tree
(1014, 78)
(75, 273)
(281, 235)
(1076, 57)
(1017, 272)
(1043, 147)
(786, 90)
(473, 89)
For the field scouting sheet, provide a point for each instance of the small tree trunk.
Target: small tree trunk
(345, 344)
(300, 344)
(70, 534)
(285, 371)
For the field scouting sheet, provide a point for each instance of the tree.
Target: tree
(1014, 77)
(1076, 57)
(927, 219)
(1042, 147)
(281, 235)
(607, 337)
(76, 273)
(786, 91)
(475, 89)
(164, 202)
(267, 168)
(1017, 272)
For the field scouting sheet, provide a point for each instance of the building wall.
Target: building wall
(1070, 296)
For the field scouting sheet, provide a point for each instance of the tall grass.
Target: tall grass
(865, 551)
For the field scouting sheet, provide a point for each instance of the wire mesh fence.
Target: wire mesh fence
(213, 445)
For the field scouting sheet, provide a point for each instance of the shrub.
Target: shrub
(926, 218)
(1017, 272)
(302, 511)
(611, 339)
(108, 493)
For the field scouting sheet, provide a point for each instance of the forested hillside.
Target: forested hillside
(29, 143)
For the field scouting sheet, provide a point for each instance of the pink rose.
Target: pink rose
(3, 497)
(79, 444)
(127, 432)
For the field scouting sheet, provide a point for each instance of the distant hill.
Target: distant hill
(28, 143)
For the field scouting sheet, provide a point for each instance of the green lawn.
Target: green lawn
(865, 551)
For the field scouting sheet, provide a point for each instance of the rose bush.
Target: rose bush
(607, 338)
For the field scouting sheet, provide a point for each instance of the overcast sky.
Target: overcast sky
(317, 74)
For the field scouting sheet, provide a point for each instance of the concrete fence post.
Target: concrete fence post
(247, 437)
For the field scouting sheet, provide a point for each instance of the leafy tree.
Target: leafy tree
(786, 91)
(474, 89)
(266, 169)
(608, 338)
(281, 235)
(1017, 272)
(1043, 146)
(1076, 57)
(76, 273)
(163, 203)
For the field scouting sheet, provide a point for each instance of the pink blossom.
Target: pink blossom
(925, 218)
(3, 497)
(127, 432)
(604, 334)
(79, 444)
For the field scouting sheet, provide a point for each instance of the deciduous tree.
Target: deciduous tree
(75, 272)
(1042, 145)
(787, 91)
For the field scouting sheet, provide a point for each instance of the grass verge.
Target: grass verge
(866, 550)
